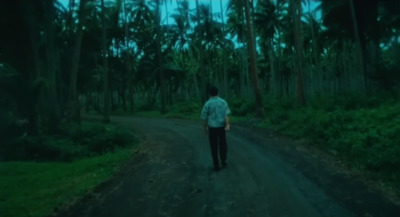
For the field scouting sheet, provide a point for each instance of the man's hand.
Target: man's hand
(205, 126)
(205, 130)
(227, 124)
(227, 127)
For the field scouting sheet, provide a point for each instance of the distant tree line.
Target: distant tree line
(56, 59)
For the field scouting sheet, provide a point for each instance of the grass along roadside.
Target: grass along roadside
(35, 189)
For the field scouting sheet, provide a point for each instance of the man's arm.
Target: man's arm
(227, 123)
(204, 116)
(205, 126)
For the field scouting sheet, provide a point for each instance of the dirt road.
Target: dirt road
(266, 176)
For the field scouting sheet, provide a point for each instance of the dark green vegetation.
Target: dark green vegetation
(43, 172)
(328, 74)
(73, 142)
(35, 189)
(361, 132)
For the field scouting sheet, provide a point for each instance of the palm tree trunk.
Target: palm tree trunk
(74, 113)
(279, 74)
(128, 63)
(33, 63)
(201, 59)
(160, 60)
(253, 63)
(318, 69)
(224, 59)
(106, 94)
(359, 46)
(243, 72)
(296, 12)
(52, 110)
(271, 62)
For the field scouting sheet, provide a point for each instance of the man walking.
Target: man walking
(216, 121)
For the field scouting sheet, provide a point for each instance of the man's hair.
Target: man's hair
(213, 91)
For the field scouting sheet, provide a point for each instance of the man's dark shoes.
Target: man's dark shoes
(224, 164)
(216, 169)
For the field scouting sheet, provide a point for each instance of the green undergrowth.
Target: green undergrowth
(36, 188)
(44, 172)
(240, 109)
(184, 110)
(362, 132)
(72, 142)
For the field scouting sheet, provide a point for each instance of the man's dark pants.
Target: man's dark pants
(217, 137)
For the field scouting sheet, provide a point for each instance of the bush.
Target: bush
(74, 142)
(100, 138)
(241, 107)
(350, 101)
(42, 148)
(9, 127)
(114, 138)
(366, 138)
(185, 108)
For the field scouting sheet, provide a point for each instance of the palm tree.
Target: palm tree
(14, 52)
(315, 30)
(224, 57)
(53, 109)
(143, 31)
(182, 24)
(358, 23)
(160, 57)
(181, 31)
(253, 63)
(105, 66)
(129, 72)
(73, 111)
(201, 56)
(236, 27)
(267, 24)
(142, 18)
(296, 9)
(359, 43)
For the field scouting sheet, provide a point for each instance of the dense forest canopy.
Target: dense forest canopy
(57, 58)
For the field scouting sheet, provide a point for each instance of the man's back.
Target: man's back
(214, 111)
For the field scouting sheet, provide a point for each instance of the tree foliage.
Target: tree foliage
(53, 65)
